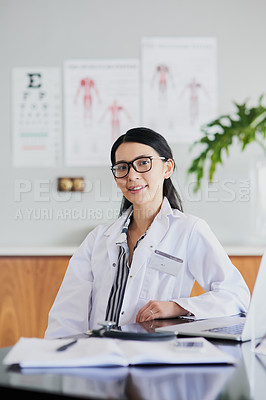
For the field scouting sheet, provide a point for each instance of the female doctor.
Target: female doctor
(143, 266)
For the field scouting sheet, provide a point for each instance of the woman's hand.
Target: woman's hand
(160, 309)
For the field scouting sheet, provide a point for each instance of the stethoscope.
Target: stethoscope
(110, 329)
(106, 326)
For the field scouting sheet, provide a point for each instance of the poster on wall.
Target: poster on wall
(37, 117)
(179, 85)
(101, 100)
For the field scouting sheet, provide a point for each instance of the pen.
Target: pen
(189, 344)
(66, 346)
(260, 341)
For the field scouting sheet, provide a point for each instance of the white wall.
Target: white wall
(46, 32)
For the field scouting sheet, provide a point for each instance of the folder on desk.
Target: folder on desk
(98, 352)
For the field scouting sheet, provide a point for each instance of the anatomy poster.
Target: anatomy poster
(101, 103)
(179, 85)
(37, 117)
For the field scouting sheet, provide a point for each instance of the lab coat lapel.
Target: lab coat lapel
(114, 235)
(146, 246)
(155, 235)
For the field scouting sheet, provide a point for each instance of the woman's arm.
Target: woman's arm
(160, 309)
(70, 312)
(226, 291)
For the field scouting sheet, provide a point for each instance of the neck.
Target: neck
(143, 217)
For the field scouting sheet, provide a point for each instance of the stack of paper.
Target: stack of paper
(31, 352)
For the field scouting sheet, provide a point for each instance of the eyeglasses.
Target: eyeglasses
(140, 164)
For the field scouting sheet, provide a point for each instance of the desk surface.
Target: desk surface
(245, 380)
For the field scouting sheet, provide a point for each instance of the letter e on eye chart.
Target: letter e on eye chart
(36, 117)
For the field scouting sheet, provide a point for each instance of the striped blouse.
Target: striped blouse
(117, 292)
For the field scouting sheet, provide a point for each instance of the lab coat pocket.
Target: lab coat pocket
(161, 275)
(166, 263)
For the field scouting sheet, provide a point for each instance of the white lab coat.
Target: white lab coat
(191, 251)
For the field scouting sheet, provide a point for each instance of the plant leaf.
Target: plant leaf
(247, 126)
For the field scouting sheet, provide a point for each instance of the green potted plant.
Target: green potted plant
(246, 126)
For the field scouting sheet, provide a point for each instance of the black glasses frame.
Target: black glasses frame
(131, 163)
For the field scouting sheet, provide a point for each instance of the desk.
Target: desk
(29, 284)
(243, 381)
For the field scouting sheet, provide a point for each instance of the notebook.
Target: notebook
(239, 328)
(104, 352)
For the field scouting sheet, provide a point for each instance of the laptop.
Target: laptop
(238, 328)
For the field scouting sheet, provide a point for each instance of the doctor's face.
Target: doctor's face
(143, 188)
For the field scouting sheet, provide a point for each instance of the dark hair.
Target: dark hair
(158, 143)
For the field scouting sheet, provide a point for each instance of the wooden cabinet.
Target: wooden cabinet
(28, 286)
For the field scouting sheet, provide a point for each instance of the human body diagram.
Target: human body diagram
(193, 88)
(115, 110)
(162, 76)
(90, 90)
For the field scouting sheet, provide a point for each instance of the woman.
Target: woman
(143, 266)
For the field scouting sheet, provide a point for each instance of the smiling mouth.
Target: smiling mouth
(137, 188)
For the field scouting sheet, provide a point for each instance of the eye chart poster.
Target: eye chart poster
(179, 85)
(101, 102)
(37, 117)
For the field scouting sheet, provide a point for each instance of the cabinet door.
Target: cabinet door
(28, 286)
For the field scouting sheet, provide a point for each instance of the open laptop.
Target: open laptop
(239, 328)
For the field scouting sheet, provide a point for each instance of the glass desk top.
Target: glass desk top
(245, 380)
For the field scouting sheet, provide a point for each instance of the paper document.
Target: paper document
(93, 352)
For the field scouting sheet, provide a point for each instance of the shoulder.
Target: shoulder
(194, 226)
(106, 230)
(97, 237)
(197, 232)
(178, 220)
(179, 217)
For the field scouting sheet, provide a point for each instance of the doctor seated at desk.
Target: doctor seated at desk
(143, 266)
